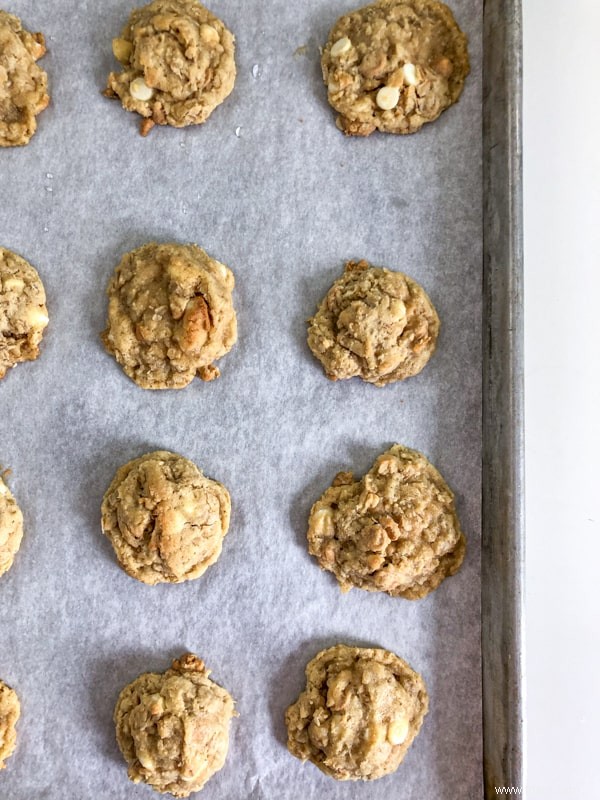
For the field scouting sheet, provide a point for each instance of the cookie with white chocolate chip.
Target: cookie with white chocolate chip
(359, 714)
(173, 727)
(10, 711)
(170, 315)
(375, 324)
(23, 84)
(23, 312)
(165, 519)
(395, 530)
(11, 527)
(394, 65)
(177, 64)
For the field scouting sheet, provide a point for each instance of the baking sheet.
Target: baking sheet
(270, 187)
(503, 511)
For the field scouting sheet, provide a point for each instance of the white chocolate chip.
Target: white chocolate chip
(222, 269)
(208, 34)
(37, 318)
(122, 50)
(189, 509)
(322, 523)
(410, 74)
(177, 520)
(146, 760)
(3, 489)
(156, 706)
(398, 730)
(387, 97)
(397, 308)
(140, 90)
(340, 47)
(13, 284)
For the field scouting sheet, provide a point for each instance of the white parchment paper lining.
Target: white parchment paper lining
(270, 187)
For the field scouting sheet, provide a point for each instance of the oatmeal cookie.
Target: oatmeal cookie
(178, 64)
(360, 712)
(11, 528)
(375, 324)
(396, 530)
(165, 519)
(170, 315)
(23, 312)
(10, 711)
(173, 727)
(23, 85)
(394, 65)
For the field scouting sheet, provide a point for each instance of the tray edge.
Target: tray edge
(503, 445)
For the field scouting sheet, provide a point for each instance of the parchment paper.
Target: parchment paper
(284, 202)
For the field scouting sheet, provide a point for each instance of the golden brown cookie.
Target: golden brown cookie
(374, 324)
(394, 65)
(395, 530)
(178, 64)
(23, 312)
(173, 727)
(359, 714)
(165, 519)
(170, 315)
(11, 527)
(10, 711)
(23, 85)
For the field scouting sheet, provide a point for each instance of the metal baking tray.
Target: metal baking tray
(503, 490)
(73, 628)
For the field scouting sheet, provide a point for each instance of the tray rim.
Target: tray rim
(503, 530)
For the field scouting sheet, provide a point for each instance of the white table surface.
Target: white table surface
(562, 390)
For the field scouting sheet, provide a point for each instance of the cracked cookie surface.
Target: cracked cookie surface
(360, 712)
(394, 65)
(165, 519)
(170, 315)
(23, 84)
(173, 727)
(375, 324)
(11, 528)
(23, 312)
(10, 711)
(178, 64)
(395, 530)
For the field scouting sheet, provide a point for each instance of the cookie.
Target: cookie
(165, 519)
(395, 530)
(178, 64)
(374, 324)
(10, 711)
(11, 528)
(173, 727)
(23, 85)
(170, 315)
(23, 312)
(394, 65)
(360, 712)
